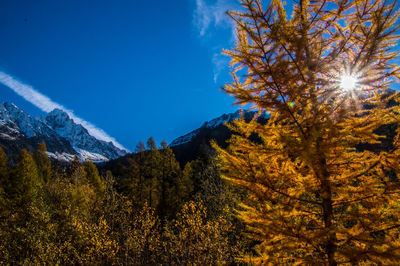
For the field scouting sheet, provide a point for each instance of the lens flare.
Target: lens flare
(348, 82)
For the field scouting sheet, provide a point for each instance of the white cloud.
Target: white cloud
(207, 15)
(220, 62)
(46, 104)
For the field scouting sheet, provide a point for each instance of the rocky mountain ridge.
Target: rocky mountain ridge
(64, 138)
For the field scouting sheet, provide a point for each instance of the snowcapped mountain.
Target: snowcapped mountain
(21, 129)
(63, 137)
(189, 146)
(225, 118)
(79, 137)
(215, 123)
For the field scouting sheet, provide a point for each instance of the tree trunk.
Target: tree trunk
(327, 210)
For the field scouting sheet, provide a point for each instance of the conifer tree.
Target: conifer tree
(25, 181)
(152, 173)
(186, 182)
(43, 162)
(321, 75)
(75, 171)
(132, 183)
(140, 147)
(163, 144)
(27, 231)
(4, 179)
(170, 182)
(92, 174)
(3, 166)
(140, 151)
(151, 144)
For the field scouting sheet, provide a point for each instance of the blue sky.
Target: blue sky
(132, 68)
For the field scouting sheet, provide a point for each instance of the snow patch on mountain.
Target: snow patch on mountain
(30, 127)
(221, 120)
(7, 137)
(64, 157)
(94, 157)
(82, 156)
(79, 136)
(225, 118)
(184, 139)
(64, 138)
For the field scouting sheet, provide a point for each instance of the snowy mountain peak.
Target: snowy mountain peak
(28, 125)
(79, 136)
(9, 106)
(216, 122)
(17, 127)
(60, 114)
(64, 125)
(8, 110)
(64, 138)
(225, 118)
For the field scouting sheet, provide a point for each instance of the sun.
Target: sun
(348, 82)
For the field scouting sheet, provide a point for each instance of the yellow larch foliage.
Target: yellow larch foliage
(321, 175)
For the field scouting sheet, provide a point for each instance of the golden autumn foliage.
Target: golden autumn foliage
(323, 189)
(77, 216)
(194, 240)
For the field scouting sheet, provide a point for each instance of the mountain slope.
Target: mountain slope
(188, 147)
(20, 130)
(64, 138)
(79, 137)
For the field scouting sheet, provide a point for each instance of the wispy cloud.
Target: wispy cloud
(46, 104)
(209, 15)
(220, 62)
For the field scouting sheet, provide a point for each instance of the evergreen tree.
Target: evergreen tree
(152, 173)
(314, 198)
(75, 171)
(140, 147)
(4, 180)
(132, 181)
(27, 229)
(164, 145)
(140, 159)
(43, 162)
(170, 182)
(25, 180)
(3, 167)
(92, 174)
(186, 183)
(217, 196)
(151, 144)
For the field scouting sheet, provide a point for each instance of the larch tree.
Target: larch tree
(24, 180)
(4, 178)
(174, 185)
(152, 173)
(93, 176)
(43, 162)
(322, 75)
(140, 151)
(4, 171)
